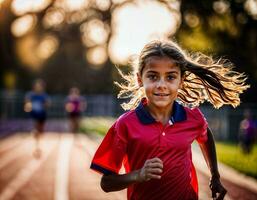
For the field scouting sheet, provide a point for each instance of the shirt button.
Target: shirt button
(163, 134)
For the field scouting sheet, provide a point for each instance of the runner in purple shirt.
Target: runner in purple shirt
(74, 106)
(247, 131)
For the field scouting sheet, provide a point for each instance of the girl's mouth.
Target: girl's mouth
(161, 94)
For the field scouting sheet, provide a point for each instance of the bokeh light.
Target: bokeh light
(73, 5)
(221, 6)
(134, 25)
(103, 5)
(191, 19)
(224, 23)
(1, 1)
(23, 25)
(97, 56)
(47, 47)
(94, 32)
(251, 7)
(20, 7)
(53, 17)
(33, 51)
(9, 79)
(119, 32)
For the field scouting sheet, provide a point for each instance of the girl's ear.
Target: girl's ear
(139, 80)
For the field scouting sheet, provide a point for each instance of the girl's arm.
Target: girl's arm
(209, 152)
(151, 170)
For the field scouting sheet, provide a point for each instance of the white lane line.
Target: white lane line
(61, 191)
(24, 175)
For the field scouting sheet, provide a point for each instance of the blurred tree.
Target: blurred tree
(223, 28)
(65, 42)
(70, 42)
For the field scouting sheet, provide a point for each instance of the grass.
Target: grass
(232, 155)
(96, 125)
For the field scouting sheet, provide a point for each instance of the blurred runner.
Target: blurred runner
(74, 106)
(36, 103)
(247, 132)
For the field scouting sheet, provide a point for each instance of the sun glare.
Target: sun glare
(133, 25)
(136, 24)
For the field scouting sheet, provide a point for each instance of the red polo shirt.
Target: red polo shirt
(136, 136)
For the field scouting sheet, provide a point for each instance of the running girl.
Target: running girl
(153, 139)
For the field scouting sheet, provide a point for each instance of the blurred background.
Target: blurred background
(78, 43)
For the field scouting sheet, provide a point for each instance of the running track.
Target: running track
(62, 172)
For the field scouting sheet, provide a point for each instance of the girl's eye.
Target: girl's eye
(170, 77)
(152, 77)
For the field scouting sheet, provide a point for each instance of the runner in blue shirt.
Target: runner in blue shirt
(36, 103)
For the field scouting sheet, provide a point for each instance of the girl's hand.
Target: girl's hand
(151, 170)
(216, 187)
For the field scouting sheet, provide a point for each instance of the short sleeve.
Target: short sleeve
(202, 126)
(111, 152)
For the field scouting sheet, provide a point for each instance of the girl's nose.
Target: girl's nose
(161, 83)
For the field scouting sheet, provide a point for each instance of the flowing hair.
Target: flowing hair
(203, 78)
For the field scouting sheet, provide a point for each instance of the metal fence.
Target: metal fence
(11, 106)
(224, 121)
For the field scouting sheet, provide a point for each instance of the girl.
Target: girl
(153, 140)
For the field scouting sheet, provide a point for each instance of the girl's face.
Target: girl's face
(161, 79)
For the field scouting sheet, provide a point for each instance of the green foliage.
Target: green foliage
(198, 40)
(96, 125)
(232, 155)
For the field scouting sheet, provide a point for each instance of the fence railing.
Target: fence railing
(11, 106)
(224, 121)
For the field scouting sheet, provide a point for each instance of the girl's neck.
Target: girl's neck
(160, 114)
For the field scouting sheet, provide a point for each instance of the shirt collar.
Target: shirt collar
(179, 113)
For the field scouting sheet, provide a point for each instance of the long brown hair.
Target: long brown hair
(204, 78)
